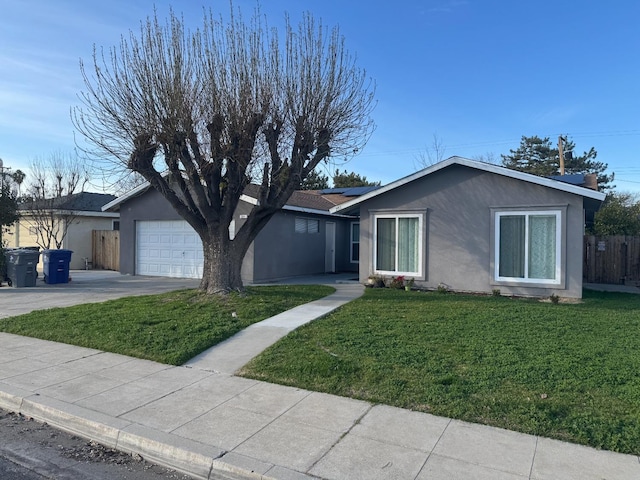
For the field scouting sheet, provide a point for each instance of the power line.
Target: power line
(416, 151)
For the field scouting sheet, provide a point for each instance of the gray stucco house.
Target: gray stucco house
(304, 238)
(468, 225)
(473, 226)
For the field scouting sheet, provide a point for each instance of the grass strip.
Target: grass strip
(169, 328)
(565, 371)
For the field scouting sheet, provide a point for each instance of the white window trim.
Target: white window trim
(353, 241)
(397, 216)
(527, 213)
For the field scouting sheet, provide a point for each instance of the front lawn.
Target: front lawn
(566, 371)
(169, 328)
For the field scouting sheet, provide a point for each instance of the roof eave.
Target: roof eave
(130, 194)
(487, 167)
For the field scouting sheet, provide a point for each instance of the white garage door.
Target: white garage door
(168, 249)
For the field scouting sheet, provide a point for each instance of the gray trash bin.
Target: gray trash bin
(21, 267)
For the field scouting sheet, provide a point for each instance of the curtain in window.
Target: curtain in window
(542, 246)
(512, 248)
(386, 244)
(408, 244)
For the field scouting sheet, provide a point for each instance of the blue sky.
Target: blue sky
(477, 74)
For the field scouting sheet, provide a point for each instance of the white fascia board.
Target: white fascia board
(291, 208)
(528, 177)
(487, 167)
(314, 211)
(83, 213)
(131, 193)
(96, 214)
(248, 199)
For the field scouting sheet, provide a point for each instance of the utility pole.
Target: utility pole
(561, 153)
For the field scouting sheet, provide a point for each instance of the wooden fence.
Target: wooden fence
(613, 259)
(106, 250)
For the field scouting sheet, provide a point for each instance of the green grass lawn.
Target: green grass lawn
(169, 328)
(566, 371)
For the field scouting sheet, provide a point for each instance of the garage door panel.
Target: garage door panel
(168, 249)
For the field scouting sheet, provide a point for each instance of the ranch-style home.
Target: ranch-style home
(79, 214)
(304, 238)
(467, 225)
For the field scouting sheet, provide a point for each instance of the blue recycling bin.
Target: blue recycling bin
(56, 265)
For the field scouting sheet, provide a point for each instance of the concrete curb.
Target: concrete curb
(172, 451)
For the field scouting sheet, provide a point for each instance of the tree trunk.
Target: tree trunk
(222, 266)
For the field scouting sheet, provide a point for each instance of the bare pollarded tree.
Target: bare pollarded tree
(201, 114)
(50, 205)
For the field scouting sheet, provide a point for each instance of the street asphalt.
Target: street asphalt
(202, 420)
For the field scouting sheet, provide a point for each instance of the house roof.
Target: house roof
(309, 201)
(78, 202)
(587, 193)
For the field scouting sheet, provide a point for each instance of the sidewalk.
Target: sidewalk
(202, 420)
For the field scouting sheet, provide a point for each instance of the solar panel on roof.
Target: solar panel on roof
(357, 191)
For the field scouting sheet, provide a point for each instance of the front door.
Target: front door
(330, 248)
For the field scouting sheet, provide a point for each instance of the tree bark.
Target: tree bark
(222, 266)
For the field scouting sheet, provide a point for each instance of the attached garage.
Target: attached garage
(156, 241)
(168, 248)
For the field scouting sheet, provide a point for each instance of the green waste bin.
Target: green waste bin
(21, 267)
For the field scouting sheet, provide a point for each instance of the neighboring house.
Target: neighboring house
(468, 225)
(302, 239)
(85, 210)
(476, 227)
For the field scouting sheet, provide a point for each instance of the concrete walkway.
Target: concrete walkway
(232, 354)
(214, 425)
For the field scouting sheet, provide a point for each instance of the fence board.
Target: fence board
(612, 259)
(106, 249)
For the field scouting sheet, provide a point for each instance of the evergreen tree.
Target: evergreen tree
(538, 156)
(8, 204)
(315, 181)
(351, 179)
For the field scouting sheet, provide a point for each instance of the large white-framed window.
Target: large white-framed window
(355, 242)
(398, 244)
(528, 246)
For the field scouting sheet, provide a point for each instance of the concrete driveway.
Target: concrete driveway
(86, 286)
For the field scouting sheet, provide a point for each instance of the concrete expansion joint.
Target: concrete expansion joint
(344, 434)
(533, 460)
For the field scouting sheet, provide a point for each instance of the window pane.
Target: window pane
(542, 246)
(313, 226)
(355, 242)
(355, 232)
(408, 244)
(512, 238)
(301, 225)
(386, 244)
(355, 252)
